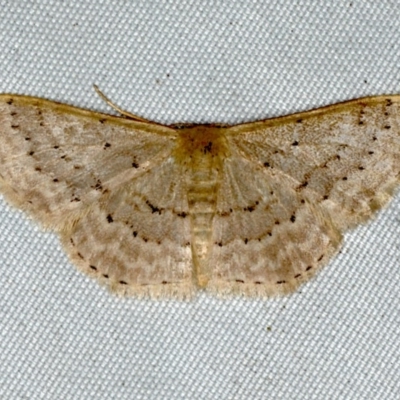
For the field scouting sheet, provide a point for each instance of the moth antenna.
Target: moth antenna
(116, 108)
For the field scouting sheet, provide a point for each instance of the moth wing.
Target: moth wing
(293, 185)
(106, 185)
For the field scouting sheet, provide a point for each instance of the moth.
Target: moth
(154, 210)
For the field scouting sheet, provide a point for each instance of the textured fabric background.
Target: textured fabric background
(64, 337)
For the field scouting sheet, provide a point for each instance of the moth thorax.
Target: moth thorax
(201, 142)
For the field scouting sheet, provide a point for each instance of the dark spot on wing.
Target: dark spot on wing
(182, 214)
(297, 276)
(135, 165)
(80, 256)
(27, 138)
(239, 281)
(31, 153)
(10, 101)
(303, 185)
(226, 213)
(153, 208)
(370, 152)
(14, 126)
(299, 121)
(361, 168)
(38, 169)
(246, 241)
(134, 233)
(308, 268)
(102, 120)
(387, 126)
(293, 218)
(295, 143)
(123, 282)
(98, 185)
(56, 147)
(320, 258)
(344, 178)
(280, 282)
(55, 180)
(266, 164)
(109, 218)
(105, 275)
(93, 267)
(252, 207)
(107, 145)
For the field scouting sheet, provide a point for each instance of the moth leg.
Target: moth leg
(116, 108)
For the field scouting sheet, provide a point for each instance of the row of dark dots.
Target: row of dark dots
(94, 268)
(237, 280)
(281, 282)
(135, 233)
(246, 240)
(296, 143)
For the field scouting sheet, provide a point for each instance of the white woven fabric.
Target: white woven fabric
(64, 337)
